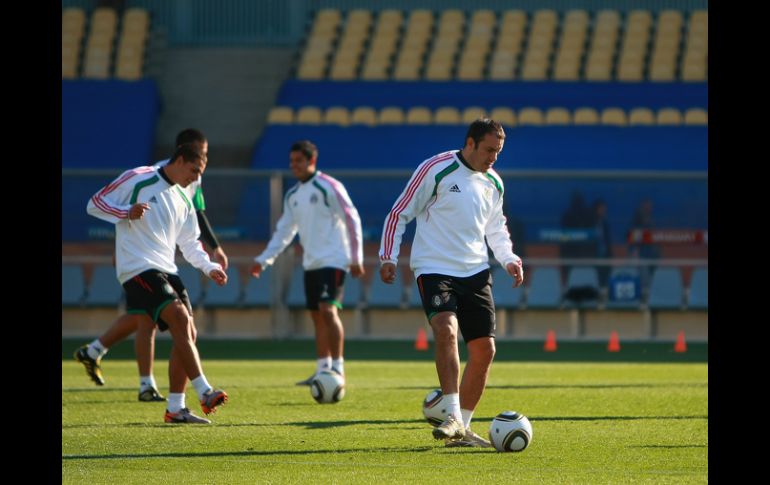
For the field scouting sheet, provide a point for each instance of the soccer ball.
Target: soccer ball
(328, 387)
(510, 431)
(434, 408)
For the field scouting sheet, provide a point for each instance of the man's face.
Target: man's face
(189, 172)
(485, 154)
(301, 166)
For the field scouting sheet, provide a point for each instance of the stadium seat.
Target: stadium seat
(696, 116)
(258, 291)
(627, 294)
(72, 284)
(192, 279)
(666, 290)
(295, 297)
(585, 116)
(505, 295)
(472, 113)
(419, 115)
(336, 115)
(669, 116)
(104, 288)
(308, 115)
(582, 281)
(363, 115)
(641, 116)
(557, 116)
(530, 116)
(391, 115)
(504, 115)
(352, 296)
(613, 116)
(280, 115)
(699, 290)
(227, 295)
(383, 295)
(447, 115)
(545, 288)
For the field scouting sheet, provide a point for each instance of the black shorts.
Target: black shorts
(150, 291)
(324, 285)
(469, 298)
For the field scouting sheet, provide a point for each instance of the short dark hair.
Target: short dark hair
(307, 148)
(481, 127)
(190, 152)
(190, 135)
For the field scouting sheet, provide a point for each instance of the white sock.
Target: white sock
(175, 402)
(453, 405)
(339, 365)
(201, 385)
(96, 349)
(323, 363)
(147, 382)
(467, 416)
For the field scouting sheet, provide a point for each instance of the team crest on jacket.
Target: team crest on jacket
(313, 199)
(436, 300)
(488, 192)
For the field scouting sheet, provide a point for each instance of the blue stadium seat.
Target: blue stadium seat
(504, 294)
(191, 278)
(72, 284)
(699, 290)
(545, 288)
(624, 289)
(666, 289)
(296, 295)
(383, 295)
(228, 295)
(104, 289)
(353, 293)
(258, 291)
(585, 280)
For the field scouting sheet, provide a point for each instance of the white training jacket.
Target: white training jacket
(328, 224)
(150, 242)
(455, 207)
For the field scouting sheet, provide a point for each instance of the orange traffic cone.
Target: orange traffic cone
(421, 343)
(680, 345)
(614, 345)
(550, 342)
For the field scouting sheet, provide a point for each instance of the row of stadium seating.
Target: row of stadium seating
(449, 115)
(485, 44)
(544, 290)
(94, 56)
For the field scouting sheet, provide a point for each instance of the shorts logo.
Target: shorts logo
(436, 300)
(168, 289)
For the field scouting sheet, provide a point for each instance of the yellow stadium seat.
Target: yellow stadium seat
(308, 115)
(447, 115)
(530, 116)
(613, 116)
(504, 116)
(669, 116)
(336, 115)
(641, 116)
(585, 116)
(696, 116)
(472, 113)
(694, 72)
(419, 115)
(391, 115)
(280, 115)
(363, 115)
(128, 71)
(557, 116)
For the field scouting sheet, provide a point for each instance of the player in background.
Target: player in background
(319, 208)
(457, 199)
(144, 343)
(152, 215)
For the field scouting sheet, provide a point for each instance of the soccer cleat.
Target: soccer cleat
(184, 416)
(451, 428)
(471, 440)
(150, 395)
(307, 381)
(93, 369)
(212, 399)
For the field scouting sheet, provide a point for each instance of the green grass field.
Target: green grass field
(594, 422)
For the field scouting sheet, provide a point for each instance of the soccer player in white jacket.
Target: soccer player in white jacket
(152, 213)
(319, 208)
(457, 199)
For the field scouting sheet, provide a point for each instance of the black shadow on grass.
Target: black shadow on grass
(246, 453)
(98, 389)
(572, 386)
(601, 418)
(335, 424)
(305, 424)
